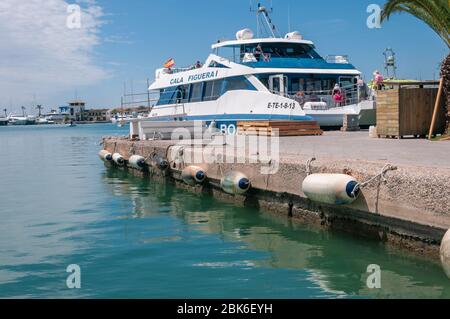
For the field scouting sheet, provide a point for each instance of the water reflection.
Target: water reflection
(48, 199)
(336, 263)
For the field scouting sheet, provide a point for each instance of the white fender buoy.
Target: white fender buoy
(445, 253)
(235, 183)
(333, 189)
(193, 175)
(105, 156)
(137, 162)
(118, 159)
(160, 163)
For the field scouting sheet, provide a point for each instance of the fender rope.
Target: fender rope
(381, 177)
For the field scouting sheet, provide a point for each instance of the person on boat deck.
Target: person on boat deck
(198, 65)
(300, 98)
(378, 80)
(338, 96)
(362, 88)
(180, 94)
(258, 52)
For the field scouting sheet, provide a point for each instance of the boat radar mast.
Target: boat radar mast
(263, 20)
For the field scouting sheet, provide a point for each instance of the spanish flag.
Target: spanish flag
(169, 64)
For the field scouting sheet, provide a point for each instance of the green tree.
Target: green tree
(435, 13)
(39, 108)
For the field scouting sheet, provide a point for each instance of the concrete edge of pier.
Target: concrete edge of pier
(410, 210)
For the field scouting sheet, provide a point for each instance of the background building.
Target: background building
(76, 110)
(97, 115)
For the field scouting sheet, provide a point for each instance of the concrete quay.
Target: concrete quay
(410, 209)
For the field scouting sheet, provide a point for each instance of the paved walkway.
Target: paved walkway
(358, 145)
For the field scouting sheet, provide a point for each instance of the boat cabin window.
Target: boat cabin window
(173, 95)
(196, 92)
(283, 50)
(307, 83)
(347, 81)
(203, 91)
(167, 96)
(215, 64)
(213, 90)
(237, 83)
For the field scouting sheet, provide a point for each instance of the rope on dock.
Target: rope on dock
(381, 177)
(308, 166)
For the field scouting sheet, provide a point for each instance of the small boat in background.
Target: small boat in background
(18, 120)
(42, 121)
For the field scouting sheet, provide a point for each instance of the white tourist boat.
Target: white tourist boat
(22, 120)
(262, 78)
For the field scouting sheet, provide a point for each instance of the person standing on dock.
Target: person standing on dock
(378, 80)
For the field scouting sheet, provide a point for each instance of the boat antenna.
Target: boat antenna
(263, 20)
(289, 18)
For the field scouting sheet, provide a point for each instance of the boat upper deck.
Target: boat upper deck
(250, 42)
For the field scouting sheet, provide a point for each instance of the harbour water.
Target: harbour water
(137, 238)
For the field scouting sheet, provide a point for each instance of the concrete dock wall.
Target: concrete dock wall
(411, 209)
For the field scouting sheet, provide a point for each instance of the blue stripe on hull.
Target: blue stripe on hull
(248, 117)
(229, 121)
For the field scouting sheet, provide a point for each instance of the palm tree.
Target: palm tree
(39, 108)
(6, 112)
(23, 110)
(435, 13)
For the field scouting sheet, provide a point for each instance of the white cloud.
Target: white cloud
(40, 55)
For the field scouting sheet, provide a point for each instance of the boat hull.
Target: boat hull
(334, 117)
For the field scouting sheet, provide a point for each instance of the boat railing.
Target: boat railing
(151, 100)
(352, 94)
(247, 58)
(147, 99)
(242, 58)
(250, 57)
(170, 71)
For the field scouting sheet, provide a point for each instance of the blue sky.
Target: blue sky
(127, 40)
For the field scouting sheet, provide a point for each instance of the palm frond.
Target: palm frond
(435, 13)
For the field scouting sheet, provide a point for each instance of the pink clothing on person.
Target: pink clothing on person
(379, 79)
(338, 98)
